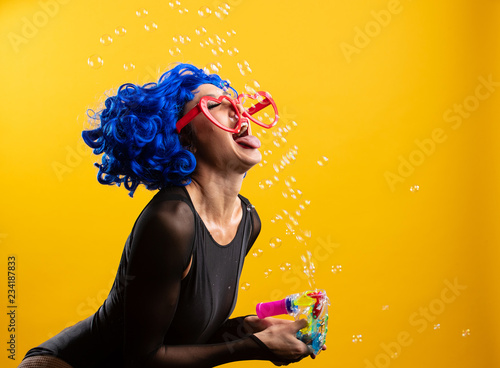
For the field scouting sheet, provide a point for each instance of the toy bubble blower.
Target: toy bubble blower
(312, 305)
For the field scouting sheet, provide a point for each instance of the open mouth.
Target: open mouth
(245, 140)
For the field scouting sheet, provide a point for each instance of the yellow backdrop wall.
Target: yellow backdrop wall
(386, 167)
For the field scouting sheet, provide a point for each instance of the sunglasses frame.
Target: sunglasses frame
(202, 107)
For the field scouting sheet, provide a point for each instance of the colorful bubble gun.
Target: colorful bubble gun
(312, 305)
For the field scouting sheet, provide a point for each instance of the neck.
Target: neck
(215, 196)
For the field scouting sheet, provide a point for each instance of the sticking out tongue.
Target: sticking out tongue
(248, 141)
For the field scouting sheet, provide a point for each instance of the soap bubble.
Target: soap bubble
(414, 188)
(268, 272)
(322, 161)
(466, 332)
(200, 30)
(285, 266)
(385, 307)
(275, 242)
(174, 51)
(357, 338)
(182, 11)
(204, 11)
(106, 40)
(257, 252)
(231, 33)
(233, 51)
(244, 67)
(289, 181)
(437, 326)
(212, 68)
(289, 229)
(151, 26)
(336, 268)
(141, 12)
(129, 66)
(245, 286)
(181, 39)
(120, 31)
(266, 184)
(95, 61)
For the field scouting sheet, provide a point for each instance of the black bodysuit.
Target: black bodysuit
(150, 310)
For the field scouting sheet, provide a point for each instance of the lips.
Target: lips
(246, 140)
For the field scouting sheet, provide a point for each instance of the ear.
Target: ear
(186, 138)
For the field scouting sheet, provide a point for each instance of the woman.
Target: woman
(177, 280)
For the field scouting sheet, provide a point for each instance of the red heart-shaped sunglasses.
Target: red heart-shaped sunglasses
(253, 109)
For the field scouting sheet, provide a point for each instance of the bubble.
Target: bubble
(337, 268)
(300, 239)
(231, 33)
(141, 12)
(289, 229)
(181, 39)
(171, 3)
(257, 252)
(120, 31)
(385, 307)
(275, 242)
(200, 30)
(466, 332)
(322, 161)
(290, 180)
(174, 51)
(285, 266)
(212, 68)
(214, 51)
(263, 163)
(245, 286)
(151, 26)
(129, 66)
(221, 12)
(204, 11)
(267, 272)
(244, 67)
(233, 51)
(106, 40)
(95, 61)
(437, 326)
(276, 218)
(182, 11)
(250, 207)
(266, 184)
(357, 338)
(295, 193)
(307, 233)
(414, 188)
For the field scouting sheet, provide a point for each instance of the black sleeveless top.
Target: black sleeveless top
(149, 304)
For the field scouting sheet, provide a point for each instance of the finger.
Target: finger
(323, 347)
(300, 324)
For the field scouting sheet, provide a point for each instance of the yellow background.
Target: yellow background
(363, 109)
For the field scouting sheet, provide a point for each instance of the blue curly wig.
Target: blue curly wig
(136, 132)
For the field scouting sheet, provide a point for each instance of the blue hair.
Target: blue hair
(136, 132)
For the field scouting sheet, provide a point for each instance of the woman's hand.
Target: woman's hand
(254, 324)
(281, 340)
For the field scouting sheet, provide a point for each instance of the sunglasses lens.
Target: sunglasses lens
(223, 112)
(260, 109)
